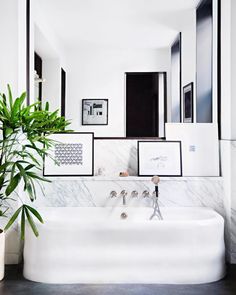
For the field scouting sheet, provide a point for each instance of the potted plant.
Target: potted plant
(25, 132)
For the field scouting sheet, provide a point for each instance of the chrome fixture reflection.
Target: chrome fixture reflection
(134, 194)
(155, 195)
(113, 194)
(37, 79)
(145, 194)
(123, 194)
(123, 215)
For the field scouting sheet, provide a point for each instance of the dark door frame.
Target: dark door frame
(63, 92)
(38, 66)
(165, 99)
(28, 51)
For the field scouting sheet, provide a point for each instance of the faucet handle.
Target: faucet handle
(154, 194)
(113, 194)
(145, 194)
(134, 194)
(123, 193)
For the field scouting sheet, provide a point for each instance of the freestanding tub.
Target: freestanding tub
(94, 245)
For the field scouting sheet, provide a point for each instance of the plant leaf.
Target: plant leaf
(36, 213)
(47, 106)
(34, 175)
(30, 166)
(31, 223)
(10, 95)
(13, 184)
(8, 131)
(22, 227)
(30, 191)
(13, 218)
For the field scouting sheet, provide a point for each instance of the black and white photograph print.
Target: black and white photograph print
(188, 103)
(95, 111)
(162, 158)
(71, 155)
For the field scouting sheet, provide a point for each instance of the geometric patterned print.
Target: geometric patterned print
(69, 153)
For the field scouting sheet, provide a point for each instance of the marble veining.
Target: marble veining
(84, 192)
(233, 201)
(95, 191)
(228, 159)
(113, 156)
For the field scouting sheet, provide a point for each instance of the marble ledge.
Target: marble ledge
(135, 178)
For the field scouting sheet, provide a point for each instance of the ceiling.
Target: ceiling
(115, 23)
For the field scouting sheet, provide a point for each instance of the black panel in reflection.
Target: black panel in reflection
(176, 80)
(204, 62)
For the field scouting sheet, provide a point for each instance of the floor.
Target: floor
(15, 284)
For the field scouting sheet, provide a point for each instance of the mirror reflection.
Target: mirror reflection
(121, 68)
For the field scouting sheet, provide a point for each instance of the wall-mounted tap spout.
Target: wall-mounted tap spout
(123, 194)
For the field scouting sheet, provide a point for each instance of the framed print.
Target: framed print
(71, 155)
(188, 103)
(95, 111)
(162, 158)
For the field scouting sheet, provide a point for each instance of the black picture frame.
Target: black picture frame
(72, 174)
(188, 92)
(95, 124)
(180, 174)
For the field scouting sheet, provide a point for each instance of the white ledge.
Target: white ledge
(134, 178)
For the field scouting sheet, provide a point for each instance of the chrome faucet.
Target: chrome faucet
(123, 194)
(134, 194)
(145, 194)
(113, 194)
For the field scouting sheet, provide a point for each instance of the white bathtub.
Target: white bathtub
(94, 245)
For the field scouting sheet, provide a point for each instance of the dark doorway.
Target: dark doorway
(63, 93)
(145, 104)
(38, 65)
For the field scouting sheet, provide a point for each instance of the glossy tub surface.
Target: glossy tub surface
(94, 245)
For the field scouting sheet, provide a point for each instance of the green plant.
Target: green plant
(25, 142)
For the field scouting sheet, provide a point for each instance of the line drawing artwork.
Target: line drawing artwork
(160, 161)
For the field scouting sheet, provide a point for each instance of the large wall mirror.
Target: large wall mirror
(120, 69)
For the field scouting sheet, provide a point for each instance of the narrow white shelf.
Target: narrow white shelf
(133, 178)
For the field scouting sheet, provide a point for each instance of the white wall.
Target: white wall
(47, 45)
(233, 69)
(86, 69)
(228, 118)
(51, 90)
(228, 63)
(188, 30)
(226, 79)
(9, 45)
(199, 144)
(184, 22)
(100, 73)
(13, 46)
(13, 72)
